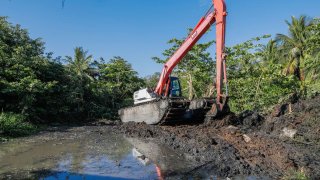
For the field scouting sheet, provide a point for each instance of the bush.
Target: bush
(14, 125)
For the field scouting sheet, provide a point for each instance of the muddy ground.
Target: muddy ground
(283, 143)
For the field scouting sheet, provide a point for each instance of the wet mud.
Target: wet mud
(266, 146)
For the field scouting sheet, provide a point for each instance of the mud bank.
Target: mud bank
(271, 146)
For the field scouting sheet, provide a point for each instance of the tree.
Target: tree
(120, 77)
(255, 77)
(152, 80)
(80, 74)
(114, 88)
(270, 52)
(80, 63)
(26, 73)
(312, 60)
(294, 46)
(243, 74)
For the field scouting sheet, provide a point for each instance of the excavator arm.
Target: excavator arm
(218, 16)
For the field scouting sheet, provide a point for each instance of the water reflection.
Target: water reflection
(65, 175)
(166, 160)
(89, 156)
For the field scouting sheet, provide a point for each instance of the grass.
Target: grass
(296, 175)
(15, 125)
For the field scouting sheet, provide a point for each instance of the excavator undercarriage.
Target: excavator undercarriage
(159, 111)
(172, 111)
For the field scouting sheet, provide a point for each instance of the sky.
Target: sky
(138, 30)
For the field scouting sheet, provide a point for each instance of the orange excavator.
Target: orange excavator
(166, 104)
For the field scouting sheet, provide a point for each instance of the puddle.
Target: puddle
(87, 155)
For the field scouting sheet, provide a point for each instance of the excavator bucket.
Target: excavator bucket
(207, 109)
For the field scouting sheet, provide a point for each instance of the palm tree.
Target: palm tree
(270, 52)
(269, 55)
(79, 66)
(294, 46)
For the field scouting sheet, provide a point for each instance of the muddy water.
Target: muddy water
(87, 152)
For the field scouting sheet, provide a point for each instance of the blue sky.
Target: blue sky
(139, 29)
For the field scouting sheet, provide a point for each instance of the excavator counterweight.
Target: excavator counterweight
(166, 104)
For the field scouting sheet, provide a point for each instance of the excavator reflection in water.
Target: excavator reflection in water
(165, 160)
(165, 104)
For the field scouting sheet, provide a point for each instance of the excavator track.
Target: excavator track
(169, 111)
(159, 111)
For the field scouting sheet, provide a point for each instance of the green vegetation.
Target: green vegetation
(15, 125)
(38, 88)
(260, 75)
(295, 174)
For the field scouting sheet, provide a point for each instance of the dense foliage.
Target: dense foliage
(15, 125)
(35, 87)
(260, 75)
(39, 88)
(255, 76)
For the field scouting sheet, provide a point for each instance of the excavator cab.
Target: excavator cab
(175, 87)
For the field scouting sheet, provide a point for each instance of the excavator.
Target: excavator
(165, 104)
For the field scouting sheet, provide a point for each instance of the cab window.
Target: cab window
(175, 88)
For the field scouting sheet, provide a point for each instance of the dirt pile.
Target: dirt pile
(247, 144)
